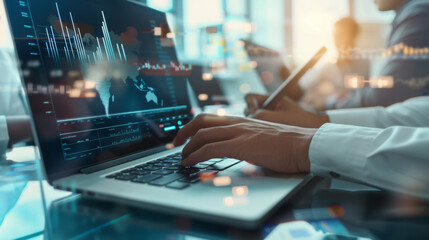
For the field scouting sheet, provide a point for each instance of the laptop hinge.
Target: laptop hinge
(112, 163)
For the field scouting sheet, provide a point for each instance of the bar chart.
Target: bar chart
(74, 48)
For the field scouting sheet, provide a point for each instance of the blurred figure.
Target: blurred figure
(407, 68)
(327, 85)
(346, 32)
(410, 72)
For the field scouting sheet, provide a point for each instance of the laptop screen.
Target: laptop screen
(102, 79)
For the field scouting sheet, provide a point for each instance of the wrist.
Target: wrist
(322, 119)
(304, 164)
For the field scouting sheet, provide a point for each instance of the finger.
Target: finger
(209, 151)
(249, 110)
(202, 121)
(254, 101)
(252, 105)
(206, 136)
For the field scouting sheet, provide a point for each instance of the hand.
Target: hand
(273, 146)
(286, 112)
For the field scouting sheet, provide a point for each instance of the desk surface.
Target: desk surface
(326, 208)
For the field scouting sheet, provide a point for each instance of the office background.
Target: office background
(208, 33)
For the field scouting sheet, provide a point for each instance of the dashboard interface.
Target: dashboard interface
(102, 78)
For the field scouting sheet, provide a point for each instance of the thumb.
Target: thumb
(254, 101)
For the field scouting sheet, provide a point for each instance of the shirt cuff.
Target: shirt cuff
(4, 136)
(365, 117)
(333, 153)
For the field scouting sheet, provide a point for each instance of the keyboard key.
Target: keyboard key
(188, 170)
(125, 177)
(171, 161)
(167, 164)
(215, 160)
(137, 172)
(178, 185)
(174, 167)
(151, 168)
(191, 179)
(167, 179)
(161, 165)
(223, 165)
(145, 179)
(202, 165)
(163, 172)
(177, 164)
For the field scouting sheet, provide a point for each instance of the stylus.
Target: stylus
(271, 101)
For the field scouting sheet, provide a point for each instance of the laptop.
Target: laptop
(107, 95)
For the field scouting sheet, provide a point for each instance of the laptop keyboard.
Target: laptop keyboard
(168, 172)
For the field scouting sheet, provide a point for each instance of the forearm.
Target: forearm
(19, 129)
(394, 158)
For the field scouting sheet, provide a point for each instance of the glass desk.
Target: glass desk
(323, 209)
(332, 209)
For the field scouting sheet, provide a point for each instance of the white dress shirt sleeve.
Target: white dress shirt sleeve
(412, 113)
(395, 158)
(387, 147)
(4, 136)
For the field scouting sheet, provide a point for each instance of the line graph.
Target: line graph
(158, 68)
(356, 81)
(74, 48)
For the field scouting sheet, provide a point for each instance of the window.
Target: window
(313, 25)
(365, 11)
(5, 39)
(197, 15)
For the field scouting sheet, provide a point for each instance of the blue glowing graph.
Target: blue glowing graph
(74, 44)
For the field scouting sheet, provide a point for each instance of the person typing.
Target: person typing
(383, 147)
